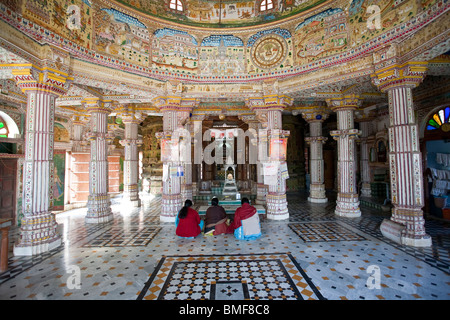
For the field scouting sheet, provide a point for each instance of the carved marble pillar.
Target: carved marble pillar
(38, 231)
(261, 188)
(98, 204)
(197, 149)
(347, 203)
(174, 117)
(186, 156)
(275, 136)
(315, 117)
(131, 143)
(406, 224)
(364, 123)
(78, 123)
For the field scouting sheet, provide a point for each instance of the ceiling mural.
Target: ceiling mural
(320, 35)
(269, 50)
(122, 36)
(222, 55)
(111, 35)
(71, 19)
(174, 49)
(221, 13)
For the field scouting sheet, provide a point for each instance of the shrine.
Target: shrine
(344, 104)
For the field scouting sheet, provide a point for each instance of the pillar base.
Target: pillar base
(261, 194)
(412, 221)
(397, 233)
(277, 207)
(39, 233)
(366, 191)
(20, 250)
(99, 209)
(260, 201)
(131, 195)
(170, 206)
(347, 205)
(134, 203)
(317, 200)
(186, 192)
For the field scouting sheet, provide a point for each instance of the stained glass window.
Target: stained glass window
(439, 119)
(3, 129)
(266, 5)
(176, 5)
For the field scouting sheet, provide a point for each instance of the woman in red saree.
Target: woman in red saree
(246, 212)
(188, 222)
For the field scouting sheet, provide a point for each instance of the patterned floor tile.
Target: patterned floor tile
(137, 256)
(324, 231)
(229, 277)
(124, 237)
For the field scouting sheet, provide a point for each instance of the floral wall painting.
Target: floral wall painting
(122, 36)
(174, 50)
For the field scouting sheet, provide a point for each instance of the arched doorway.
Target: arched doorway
(436, 151)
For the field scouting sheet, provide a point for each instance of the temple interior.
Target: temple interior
(331, 116)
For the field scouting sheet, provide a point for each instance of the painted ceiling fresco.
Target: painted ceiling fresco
(116, 32)
(221, 13)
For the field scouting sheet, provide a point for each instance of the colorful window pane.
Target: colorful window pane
(440, 118)
(3, 129)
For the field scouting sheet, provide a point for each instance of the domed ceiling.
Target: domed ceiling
(221, 13)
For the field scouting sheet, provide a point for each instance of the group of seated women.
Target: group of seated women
(245, 225)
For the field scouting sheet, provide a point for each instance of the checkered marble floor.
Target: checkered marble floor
(312, 255)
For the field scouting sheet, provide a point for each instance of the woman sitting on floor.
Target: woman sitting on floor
(215, 219)
(246, 224)
(188, 222)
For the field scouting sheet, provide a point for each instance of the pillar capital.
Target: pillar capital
(350, 133)
(312, 113)
(409, 74)
(80, 119)
(175, 103)
(128, 114)
(31, 78)
(362, 116)
(310, 140)
(345, 102)
(96, 105)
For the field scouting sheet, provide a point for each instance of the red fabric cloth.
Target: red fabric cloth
(189, 226)
(242, 213)
(222, 228)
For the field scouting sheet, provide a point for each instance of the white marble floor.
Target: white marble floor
(313, 255)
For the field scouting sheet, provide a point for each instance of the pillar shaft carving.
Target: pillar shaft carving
(99, 205)
(405, 158)
(131, 143)
(315, 118)
(269, 113)
(38, 232)
(364, 159)
(347, 203)
(176, 112)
